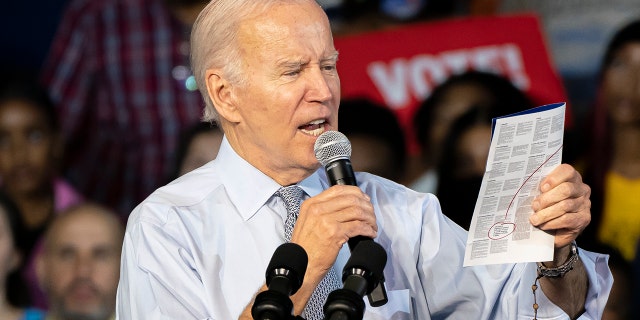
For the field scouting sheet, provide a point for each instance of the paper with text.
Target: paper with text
(525, 147)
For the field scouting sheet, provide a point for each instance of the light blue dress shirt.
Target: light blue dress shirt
(198, 248)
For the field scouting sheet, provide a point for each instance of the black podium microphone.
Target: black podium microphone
(333, 151)
(361, 274)
(284, 277)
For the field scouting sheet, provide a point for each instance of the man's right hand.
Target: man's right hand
(324, 225)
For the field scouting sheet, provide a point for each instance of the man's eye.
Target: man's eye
(292, 73)
(330, 67)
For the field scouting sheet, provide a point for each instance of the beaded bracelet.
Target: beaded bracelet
(557, 272)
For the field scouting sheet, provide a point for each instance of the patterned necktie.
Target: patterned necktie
(292, 197)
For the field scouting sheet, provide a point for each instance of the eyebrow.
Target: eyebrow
(300, 63)
(292, 64)
(331, 57)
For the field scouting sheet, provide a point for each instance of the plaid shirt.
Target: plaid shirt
(116, 72)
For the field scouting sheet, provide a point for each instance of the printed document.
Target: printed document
(525, 147)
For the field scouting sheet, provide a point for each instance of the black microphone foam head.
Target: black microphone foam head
(368, 255)
(290, 261)
(330, 146)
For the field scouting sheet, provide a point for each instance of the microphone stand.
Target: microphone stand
(284, 276)
(361, 275)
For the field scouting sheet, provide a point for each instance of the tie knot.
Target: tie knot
(292, 196)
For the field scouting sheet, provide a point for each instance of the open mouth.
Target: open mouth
(314, 128)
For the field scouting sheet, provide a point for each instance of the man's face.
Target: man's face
(81, 267)
(292, 90)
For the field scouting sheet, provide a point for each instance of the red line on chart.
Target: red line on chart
(514, 197)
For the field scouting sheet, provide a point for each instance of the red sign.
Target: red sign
(400, 67)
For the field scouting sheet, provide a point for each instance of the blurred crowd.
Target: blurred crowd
(98, 108)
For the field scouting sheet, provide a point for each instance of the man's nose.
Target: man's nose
(319, 86)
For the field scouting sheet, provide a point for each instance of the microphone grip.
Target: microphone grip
(340, 172)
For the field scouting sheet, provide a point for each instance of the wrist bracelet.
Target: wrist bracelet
(561, 270)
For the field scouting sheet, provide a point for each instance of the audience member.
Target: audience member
(464, 158)
(119, 74)
(79, 267)
(198, 145)
(575, 45)
(612, 162)
(447, 102)
(30, 151)
(14, 295)
(199, 247)
(377, 140)
(462, 165)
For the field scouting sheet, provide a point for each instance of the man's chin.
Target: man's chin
(86, 315)
(86, 311)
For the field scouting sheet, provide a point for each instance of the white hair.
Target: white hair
(214, 43)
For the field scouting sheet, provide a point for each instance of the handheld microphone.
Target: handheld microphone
(360, 276)
(284, 277)
(333, 151)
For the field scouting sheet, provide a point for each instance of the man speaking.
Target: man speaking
(198, 247)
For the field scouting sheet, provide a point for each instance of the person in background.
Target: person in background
(30, 154)
(14, 298)
(463, 160)
(198, 145)
(612, 156)
(80, 264)
(198, 247)
(377, 141)
(462, 165)
(119, 74)
(447, 102)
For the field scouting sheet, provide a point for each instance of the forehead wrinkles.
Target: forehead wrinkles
(280, 26)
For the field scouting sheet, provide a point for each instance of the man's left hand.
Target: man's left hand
(563, 207)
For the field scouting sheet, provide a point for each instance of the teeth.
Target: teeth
(315, 132)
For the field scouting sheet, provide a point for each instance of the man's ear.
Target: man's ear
(221, 93)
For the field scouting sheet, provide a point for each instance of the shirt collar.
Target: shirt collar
(248, 188)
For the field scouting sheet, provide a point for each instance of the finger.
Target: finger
(330, 242)
(562, 173)
(349, 222)
(324, 240)
(552, 211)
(338, 190)
(342, 207)
(564, 237)
(571, 222)
(561, 192)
